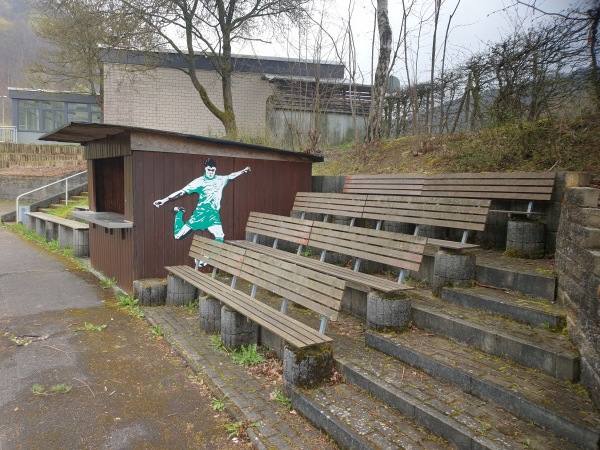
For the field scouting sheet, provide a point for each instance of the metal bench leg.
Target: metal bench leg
(379, 222)
(323, 254)
(275, 242)
(303, 215)
(323, 324)
(352, 221)
(401, 276)
(284, 304)
(326, 218)
(464, 237)
(214, 272)
(416, 233)
(255, 238)
(233, 281)
(253, 293)
(357, 264)
(300, 248)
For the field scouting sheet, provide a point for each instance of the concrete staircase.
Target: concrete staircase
(62, 202)
(484, 367)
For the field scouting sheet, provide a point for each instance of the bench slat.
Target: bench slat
(329, 203)
(357, 280)
(399, 250)
(287, 280)
(218, 255)
(291, 330)
(280, 227)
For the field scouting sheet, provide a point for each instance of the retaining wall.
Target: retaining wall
(578, 269)
(40, 155)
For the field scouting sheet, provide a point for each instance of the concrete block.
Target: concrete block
(81, 243)
(210, 314)
(65, 237)
(566, 180)
(51, 231)
(526, 237)
(179, 292)
(308, 367)
(590, 217)
(583, 197)
(236, 329)
(355, 302)
(452, 269)
(150, 291)
(391, 311)
(585, 237)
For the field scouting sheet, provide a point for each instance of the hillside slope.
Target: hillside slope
(539, 146)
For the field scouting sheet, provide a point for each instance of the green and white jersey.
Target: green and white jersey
(210, 191)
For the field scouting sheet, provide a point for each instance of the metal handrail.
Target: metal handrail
(66, 180)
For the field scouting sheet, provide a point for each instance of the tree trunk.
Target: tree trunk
(379, 88)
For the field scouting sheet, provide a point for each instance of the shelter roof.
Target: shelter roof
(83, 133)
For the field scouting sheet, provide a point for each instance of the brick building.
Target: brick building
(272, 96)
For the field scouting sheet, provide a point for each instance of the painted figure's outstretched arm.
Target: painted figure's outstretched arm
(233, 175)
(173, 196)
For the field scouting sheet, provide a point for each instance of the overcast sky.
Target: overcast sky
(475, 23)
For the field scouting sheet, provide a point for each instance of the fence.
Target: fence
(8, 134)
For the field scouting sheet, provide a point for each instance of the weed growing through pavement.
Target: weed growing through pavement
(130, 304)
(21, 341)
(157, 331)
(192, 306)
(247, 356)
(280, 398)
(215, 342)
(60, 388)
(90, 327)
(219, 404)
(239, 429)
(108, 283)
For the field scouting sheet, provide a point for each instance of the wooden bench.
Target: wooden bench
(314, 290)
(398, 250)
(525, 186)
(462, 214)
(69, 233)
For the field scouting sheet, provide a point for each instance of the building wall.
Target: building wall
(165, 99)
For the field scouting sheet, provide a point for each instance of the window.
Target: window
(48, 115)
(78, 112)
(29, 115)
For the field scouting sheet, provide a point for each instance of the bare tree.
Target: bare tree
(76, 31)
(382, 72)
(210, 28)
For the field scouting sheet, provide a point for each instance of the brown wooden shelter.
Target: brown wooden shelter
(129, 168)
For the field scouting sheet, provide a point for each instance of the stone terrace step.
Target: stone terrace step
(538, 312)
(540, 349)
(466, 421)
(531, 395)
(355, 420)
(531, 277)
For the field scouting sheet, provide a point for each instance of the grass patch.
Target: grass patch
(64, 211)
(90, 327)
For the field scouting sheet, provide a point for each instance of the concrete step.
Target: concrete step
(560, 406)
(78, 197)
(537, 348)
(465, 421)
(356, 420)
(534, 311)
(516, 275)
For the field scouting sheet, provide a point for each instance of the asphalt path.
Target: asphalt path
(112, 386)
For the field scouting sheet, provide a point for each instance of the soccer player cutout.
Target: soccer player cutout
(209, 188)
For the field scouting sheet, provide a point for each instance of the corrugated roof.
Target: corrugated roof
(82, 133)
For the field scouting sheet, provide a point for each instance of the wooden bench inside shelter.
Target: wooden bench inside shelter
(312, 289)
(69, 233)
(395, 249)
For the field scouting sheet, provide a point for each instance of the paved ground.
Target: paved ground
(61, 388)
